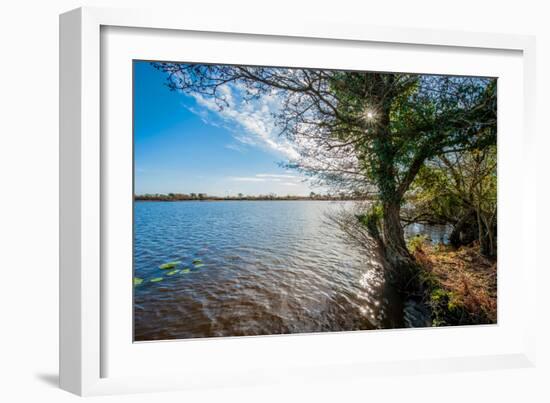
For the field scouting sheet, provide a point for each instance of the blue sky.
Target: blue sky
(185, 144)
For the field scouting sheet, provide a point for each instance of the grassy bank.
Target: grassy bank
(460, 284)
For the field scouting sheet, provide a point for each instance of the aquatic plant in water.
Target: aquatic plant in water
(137, 281)
(197, 264)
(169, 265)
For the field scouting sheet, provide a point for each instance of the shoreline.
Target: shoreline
(245, 200)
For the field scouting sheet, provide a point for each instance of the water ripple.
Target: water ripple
(269, 268)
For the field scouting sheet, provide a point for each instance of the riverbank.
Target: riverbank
(460, 284)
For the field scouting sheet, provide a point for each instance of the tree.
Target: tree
(361, 131)
(460, 189)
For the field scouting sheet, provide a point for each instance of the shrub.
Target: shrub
(415, 243)
(372, 219)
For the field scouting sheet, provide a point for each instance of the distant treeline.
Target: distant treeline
(240, 196)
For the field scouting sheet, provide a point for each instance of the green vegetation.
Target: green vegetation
(170, 269)
(372, 220)
(460, 189)
(415, 243)
(169, 265)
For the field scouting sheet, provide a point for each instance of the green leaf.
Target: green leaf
(171, 273)
(137, 281)
(197, 261)
(156, 279)
(186, 270)
(198, 265)
(169, 265)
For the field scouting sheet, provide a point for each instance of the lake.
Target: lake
(261, 267)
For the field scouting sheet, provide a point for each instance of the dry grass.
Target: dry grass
(467, 280)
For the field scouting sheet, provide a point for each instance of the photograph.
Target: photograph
(271, 200)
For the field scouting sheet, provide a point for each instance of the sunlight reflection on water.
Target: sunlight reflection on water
(269, 267)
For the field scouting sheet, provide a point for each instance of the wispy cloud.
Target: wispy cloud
(235, 147)
(276, 176)
(251, 122)
(202, 114)
(283, 179)
(246, 179)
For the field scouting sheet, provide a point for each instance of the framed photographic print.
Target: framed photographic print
(237, 198)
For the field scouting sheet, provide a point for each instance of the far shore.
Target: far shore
(220, 199)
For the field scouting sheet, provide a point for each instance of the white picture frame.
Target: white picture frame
(89, 317)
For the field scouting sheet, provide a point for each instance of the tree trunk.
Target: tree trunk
(486, 242)
(464, 230)
(403, 268)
